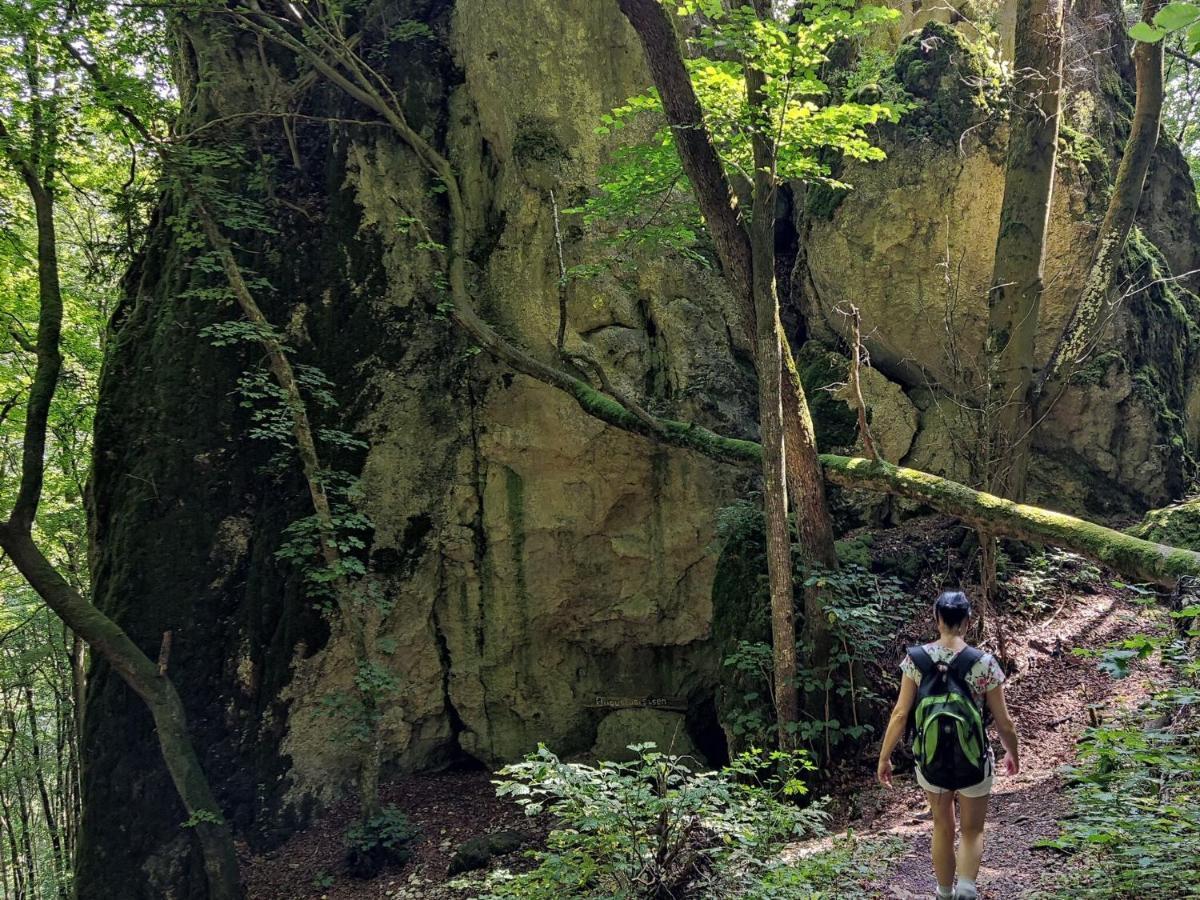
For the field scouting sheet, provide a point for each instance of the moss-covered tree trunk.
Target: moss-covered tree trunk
(739, 249)
(769, 341)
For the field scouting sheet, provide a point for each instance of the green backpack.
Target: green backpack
(949, 742)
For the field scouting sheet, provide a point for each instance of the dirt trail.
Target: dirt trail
(1049, 697)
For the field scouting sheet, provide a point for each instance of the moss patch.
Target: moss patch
(1166, 341)
(1083, 152)
(954, 81)
(835, 423)
(1178, 525)
(856, 550)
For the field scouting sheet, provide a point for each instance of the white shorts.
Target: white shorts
(982, 789)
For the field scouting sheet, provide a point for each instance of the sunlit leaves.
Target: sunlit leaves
(1173, 17)
(644, 188)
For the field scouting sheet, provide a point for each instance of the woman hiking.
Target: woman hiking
(949, 684)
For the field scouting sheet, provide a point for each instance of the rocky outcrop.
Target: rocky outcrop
(912, 245)
(542, 573)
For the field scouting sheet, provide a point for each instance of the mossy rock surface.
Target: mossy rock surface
(666, 729)
(954, 83)
(1177, 526)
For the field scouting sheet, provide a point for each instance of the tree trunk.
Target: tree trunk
(24, 816)
(52, 822)
(718, 204)
(1017, 278)
(1093, 309)
(769, 358)
(13, 849)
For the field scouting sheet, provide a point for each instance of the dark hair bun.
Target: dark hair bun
(953, 608)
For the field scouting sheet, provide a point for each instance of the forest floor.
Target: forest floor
(1052, 697)
(1052, 694)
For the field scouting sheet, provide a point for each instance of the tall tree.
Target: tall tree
(1014, 300)
(747, 256)
(1095, 304)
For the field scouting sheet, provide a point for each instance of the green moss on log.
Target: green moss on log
(1177, 525)
(1137, 559)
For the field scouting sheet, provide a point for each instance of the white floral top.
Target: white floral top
(984, 675)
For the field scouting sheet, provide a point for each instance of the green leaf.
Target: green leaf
(1193, 38)
(1174, 16)
(1147, 34)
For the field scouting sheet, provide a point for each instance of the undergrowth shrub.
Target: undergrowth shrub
(1135, 789)
(864, 610)
(378, 841)
(656, 827)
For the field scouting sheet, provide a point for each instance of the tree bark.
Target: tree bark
(13, 847)
(769, 358)
(1094, 306)
(734, 245)
(1017, 278)
(61, 864)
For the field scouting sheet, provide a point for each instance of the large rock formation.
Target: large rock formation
(541, 569)
(913, 246)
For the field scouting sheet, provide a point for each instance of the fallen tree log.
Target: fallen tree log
(1136, 559)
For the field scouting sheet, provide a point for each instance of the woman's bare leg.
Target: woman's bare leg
(942, 807)
(972, 811)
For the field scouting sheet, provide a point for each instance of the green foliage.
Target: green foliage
(1174, 17)
(956, 83)
(873, 80)
(82, 156)
(203, 817)
(644, 190)
(1038, 584)
(862, 608)
(390, 830)
(1135, 788)
(655, 827)
(385, 838)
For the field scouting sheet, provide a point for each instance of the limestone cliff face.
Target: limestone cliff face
(913, 247)
(537, 564)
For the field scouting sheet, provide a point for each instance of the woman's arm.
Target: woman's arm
(1006, 729)
(895, 728)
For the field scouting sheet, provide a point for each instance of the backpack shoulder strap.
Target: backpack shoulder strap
(921, 659)
(965, 661)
